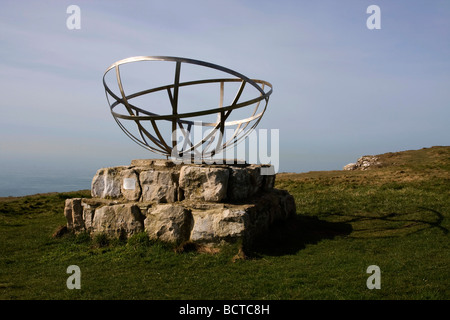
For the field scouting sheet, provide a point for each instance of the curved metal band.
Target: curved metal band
(138, 114)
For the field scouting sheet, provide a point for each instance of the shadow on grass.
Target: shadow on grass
(394, 224)
(291, 236)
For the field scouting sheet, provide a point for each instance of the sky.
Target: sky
(340, 89)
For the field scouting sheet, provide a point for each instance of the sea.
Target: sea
(17, 183)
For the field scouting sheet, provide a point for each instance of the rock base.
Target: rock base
(207, 204)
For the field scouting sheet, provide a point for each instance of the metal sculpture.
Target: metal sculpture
(149, 135)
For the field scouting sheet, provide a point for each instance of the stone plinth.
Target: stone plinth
(208, 204)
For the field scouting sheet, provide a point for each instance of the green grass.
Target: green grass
(395, 217)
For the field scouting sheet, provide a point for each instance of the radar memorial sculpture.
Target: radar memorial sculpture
(147, 132)
(204, 203)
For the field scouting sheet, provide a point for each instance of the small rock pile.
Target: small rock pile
(363, 163)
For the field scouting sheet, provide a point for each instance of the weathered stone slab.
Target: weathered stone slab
(231, 223)
(168, 222)
(152, 163)
(106, 183)
(118, 220)
(89, 207)
(88, 215)
(204, 183)
(73, 211)
(215, 223)
(272, 206)
(244, 182)
(163, 163)
(79, 212)
(159, 186)
(203, 222)
(142, 162)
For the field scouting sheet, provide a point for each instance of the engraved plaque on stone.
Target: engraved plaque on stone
(129, 184)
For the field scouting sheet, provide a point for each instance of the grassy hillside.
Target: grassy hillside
(395, 216)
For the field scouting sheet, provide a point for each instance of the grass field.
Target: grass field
(395, 217)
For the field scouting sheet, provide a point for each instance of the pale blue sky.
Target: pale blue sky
(340, 90)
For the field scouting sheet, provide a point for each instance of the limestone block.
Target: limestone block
(68, 213)
(203, 224)
(256, 179)
(163, 163)
(204, 183)
(89, 206)
(88, 215)
(231, 223)
(130, 187)
(106, 183)
(142, 162)
(159, 186)
(73, 211)
(218, 223)
(273, 206)
(244, 182)
(150, 163)
(168, 222)
(117, 220)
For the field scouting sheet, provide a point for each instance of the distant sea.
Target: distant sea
(18, 184)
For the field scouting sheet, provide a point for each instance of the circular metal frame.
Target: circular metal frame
(185, 122)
